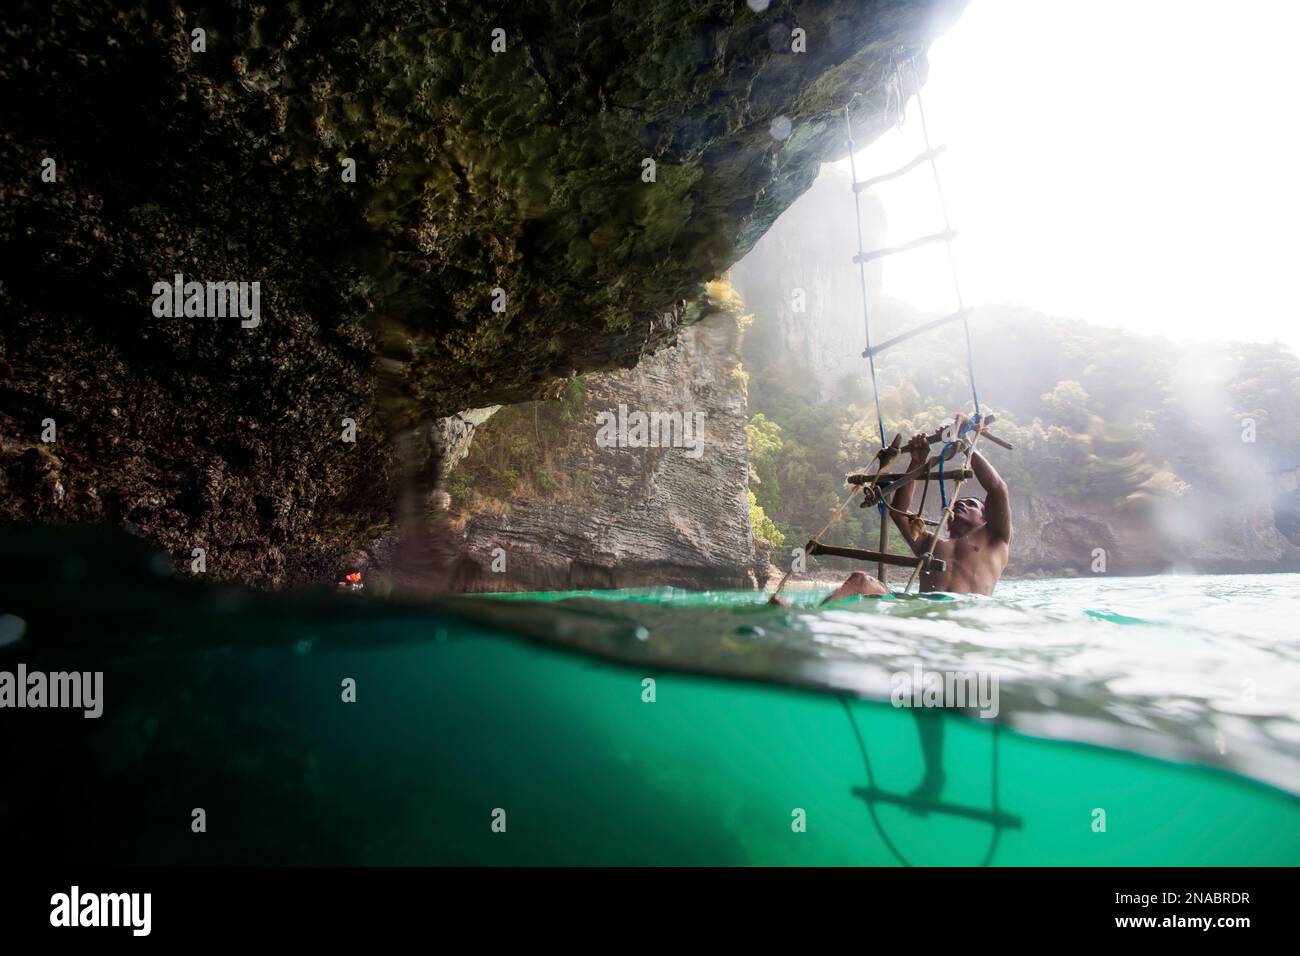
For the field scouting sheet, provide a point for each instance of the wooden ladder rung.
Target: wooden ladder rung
(880, 557)
(945, 236)
(949, 474)
(936, 436)
(912, 333)
(901, 170)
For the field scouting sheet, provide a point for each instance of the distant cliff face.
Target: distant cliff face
(802, 275)
(637, 516)
(1071, 536)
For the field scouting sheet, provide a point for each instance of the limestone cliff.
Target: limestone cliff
(631, 516)
(802, 275)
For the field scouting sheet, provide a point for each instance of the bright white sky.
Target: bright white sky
(1135, 163)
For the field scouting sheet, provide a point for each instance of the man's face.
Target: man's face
(967, 515)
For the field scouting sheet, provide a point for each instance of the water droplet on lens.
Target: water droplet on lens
(781, 128)
(12, 628)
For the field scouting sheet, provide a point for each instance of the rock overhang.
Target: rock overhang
(476, 170)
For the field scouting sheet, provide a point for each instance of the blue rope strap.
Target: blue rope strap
(943, 489)
(943, 455)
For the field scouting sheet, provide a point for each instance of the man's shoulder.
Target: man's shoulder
(994, 547)
(988, 536)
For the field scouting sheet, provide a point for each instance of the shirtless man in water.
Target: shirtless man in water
(979, 535)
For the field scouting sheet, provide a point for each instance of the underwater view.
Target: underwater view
(657, 726)
(457, 457)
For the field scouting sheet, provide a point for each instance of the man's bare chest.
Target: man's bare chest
(958, 548)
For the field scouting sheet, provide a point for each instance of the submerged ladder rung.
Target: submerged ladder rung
(901, 170)
(946, 236)
(993, 817)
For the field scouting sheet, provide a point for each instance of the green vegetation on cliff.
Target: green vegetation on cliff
(523, 449)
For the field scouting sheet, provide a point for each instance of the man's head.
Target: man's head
(967, 516)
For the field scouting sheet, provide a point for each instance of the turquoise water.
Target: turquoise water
(1139, 721)
(1204, 668)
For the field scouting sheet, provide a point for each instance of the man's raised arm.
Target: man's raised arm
(997, 502)
(919, 448)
